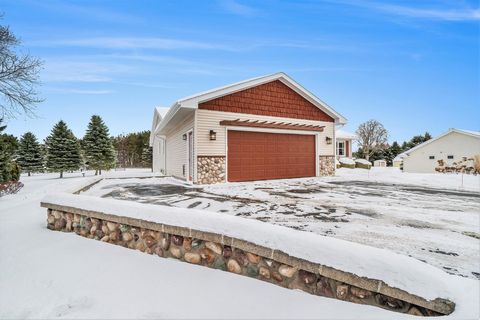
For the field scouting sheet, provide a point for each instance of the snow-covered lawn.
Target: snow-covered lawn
(429, 217)
(45, 274)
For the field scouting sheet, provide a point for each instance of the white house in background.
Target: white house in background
(379, 163)
(450, 147)
(344, 143)
(398, 160)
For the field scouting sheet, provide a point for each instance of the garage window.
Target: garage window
(450, 157)
(431, 157)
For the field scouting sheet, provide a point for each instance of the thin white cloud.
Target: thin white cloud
(65, 70)
(466, 14)
(80, 91)
(460, 12)
(129, 43)
(235, 7)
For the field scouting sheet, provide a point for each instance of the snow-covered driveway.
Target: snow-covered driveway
(429, 217)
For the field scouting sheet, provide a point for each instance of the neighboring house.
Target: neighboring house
(263, 128)
(398, 161)
(449, 147)
(380, 163)
(344, 143)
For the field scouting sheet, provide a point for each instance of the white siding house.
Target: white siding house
(450, 147)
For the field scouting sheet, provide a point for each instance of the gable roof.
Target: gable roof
(475, 134)
(191, 102)
(158, 115)
(340, 134)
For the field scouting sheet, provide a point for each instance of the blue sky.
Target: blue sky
(413, 65)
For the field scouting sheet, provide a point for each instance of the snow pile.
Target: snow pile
(346, 161)
(396, 270)
(363, 161)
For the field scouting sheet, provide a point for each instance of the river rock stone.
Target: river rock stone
(233, 266)
(76, 218)
(105, 228)
(187, 244)
(277, 276)
(196, 243)
(105, 239)
(51, 219)
(112, 226)
(342, 292)
(264, 272)
(215, 247)
(360, 293)
(127, 236)
(241, 257)
(176, 252)
(227, 252)
(287, 271)
(415, 312)
(193, 258)
(159, 251)
(150, 241)
(252, 271)
(207, 255)
(140, 246)
(177, 240)
(57, 214)
(253, 258)
(99, 234)
(307, 277)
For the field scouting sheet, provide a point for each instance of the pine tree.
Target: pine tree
(63, 150)
(9, 169)
(30, 157)
(147, 156)
(98, 147)
(4, 157)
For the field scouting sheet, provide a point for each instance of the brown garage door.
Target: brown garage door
(263, 156)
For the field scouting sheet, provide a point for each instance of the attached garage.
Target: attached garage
(263, 128)
(263, 156)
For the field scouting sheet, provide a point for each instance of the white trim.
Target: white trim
(187, 171)
(317, 155)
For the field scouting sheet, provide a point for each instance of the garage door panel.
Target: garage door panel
(260, 156)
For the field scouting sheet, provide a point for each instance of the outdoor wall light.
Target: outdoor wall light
(328, 140)
(213, 135)
(184, 136)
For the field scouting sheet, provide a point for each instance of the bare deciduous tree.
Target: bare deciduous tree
(371, 136)
(18, 77)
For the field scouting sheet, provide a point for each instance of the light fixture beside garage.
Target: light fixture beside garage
(213, 135)
(328, 140)
(184, 137)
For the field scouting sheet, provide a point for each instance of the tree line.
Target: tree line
(372, 139)
(62, 152)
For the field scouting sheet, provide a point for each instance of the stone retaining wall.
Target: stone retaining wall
(327, 165)
(210, 169)
(239, 257)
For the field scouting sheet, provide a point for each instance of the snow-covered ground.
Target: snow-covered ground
(47, 274)
(429, 217)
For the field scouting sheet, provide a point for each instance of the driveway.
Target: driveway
(435, 225)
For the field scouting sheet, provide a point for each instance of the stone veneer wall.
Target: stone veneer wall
(239, 257)
(327, 165)
(210, 169)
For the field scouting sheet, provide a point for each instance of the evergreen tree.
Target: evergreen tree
(9, 169)
(147, 156)
(98, 147)
(30, 157)
(63, 150)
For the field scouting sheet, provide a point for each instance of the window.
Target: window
(431, 157)
(449, 157)
(341, 148)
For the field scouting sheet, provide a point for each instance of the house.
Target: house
(268, 127)
(448, 148)
(398, 161)
(380, 163)
(344, 143)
